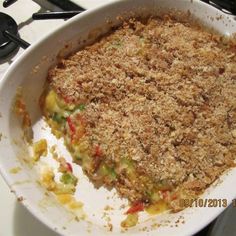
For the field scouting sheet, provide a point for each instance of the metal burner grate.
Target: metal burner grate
(66, 5)
(226, 6)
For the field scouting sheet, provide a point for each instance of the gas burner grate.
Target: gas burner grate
(9, 40)
(226, 6)
(66, 5)
(9, 37)
(8, 24)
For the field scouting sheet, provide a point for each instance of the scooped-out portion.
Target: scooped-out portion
(149, 109)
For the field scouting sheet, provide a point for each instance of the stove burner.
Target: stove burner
(7, 24)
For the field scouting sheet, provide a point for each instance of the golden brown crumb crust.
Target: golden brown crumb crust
(161, 92)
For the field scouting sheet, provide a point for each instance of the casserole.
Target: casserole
(33, 66)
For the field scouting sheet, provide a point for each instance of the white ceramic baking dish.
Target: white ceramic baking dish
(29, 72)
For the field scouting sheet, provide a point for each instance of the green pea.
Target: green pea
(81, 107)
(58, 118)
(68, 178)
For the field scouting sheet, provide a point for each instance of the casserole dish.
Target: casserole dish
(29, 72)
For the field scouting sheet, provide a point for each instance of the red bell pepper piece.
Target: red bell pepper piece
(174, 196)
(67, 99)
(98, 151)
(69, 167)
(138, 206)
(71, 126)
(165, 194)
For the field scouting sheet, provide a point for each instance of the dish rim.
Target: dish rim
(17, 63)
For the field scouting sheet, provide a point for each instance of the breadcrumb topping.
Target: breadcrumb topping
(161, 92)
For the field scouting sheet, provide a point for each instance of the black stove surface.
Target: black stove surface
(227, 6)
(7, 24)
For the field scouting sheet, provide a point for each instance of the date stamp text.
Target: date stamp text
(206, 202)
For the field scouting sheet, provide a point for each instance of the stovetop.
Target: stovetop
(31, 30)
(15, 220)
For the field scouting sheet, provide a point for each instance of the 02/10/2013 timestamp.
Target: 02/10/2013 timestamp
(207, 202)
